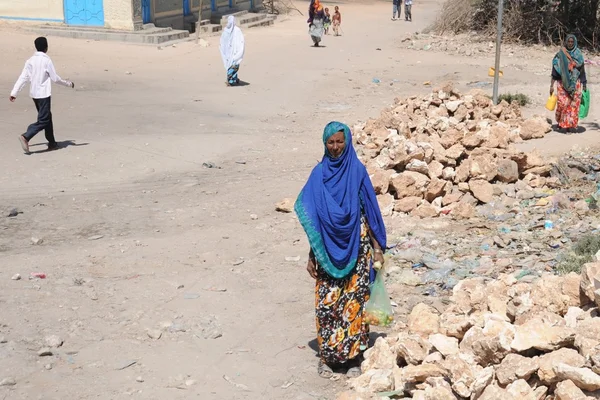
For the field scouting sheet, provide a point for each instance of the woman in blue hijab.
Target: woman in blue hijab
(339, 212)
(568, 69)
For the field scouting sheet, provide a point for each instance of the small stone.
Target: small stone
(139, 379)
(10, 381)
(407, 204)
(424, 320)
(508, 171)
(293, 259)
(253, 217)
(583, 378)
(48, 367)
(548, 363)
(16, 277)
(444, 344)
(154, 334)
(567, 390)
(482, 190)
(53, 341)
(95, 237)
(45, 352)
(36, 241)
(514, 367)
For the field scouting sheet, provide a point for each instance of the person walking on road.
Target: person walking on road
(397, 9)
(408, 10)
(339, 212)
(316, 21)
(232, 49)
(568, 72)
(39, 72)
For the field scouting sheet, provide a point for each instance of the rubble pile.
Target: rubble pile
(470, 45)
(445, 153)
(499, 339)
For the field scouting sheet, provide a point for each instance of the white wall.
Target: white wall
(34, 9)
(118, 14)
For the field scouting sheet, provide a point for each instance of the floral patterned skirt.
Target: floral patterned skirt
(567, 108)
(341, 331)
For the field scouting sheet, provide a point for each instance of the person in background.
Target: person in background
(232, 49)
(568, 71)
(339, 212)
(327, 21)
(337, 21)
(397, 9)
(39, 72)
(316, 18)
(408, 10)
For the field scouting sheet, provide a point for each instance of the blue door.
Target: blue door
(146, 12)
(186, 7)
(84, 12)
(213, 5)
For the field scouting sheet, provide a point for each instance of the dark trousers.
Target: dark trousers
(408, 12)
(43, 123)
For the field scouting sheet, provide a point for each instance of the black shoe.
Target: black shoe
(52, 146)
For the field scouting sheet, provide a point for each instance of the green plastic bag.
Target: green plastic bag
(378, 310)
(584, 109)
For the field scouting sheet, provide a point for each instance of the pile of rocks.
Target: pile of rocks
(470, 45)
(445, 153)
(498, 340)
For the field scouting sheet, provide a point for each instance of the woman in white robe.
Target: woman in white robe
(232, 50)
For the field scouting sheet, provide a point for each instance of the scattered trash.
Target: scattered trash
(293, 259)
(238, 262)
(37, 275)
(216, 289)
(237, 385)
(210, 165)
(95, 237)
(45, 352)
(14, 212)
(125, 365)
(375, 80)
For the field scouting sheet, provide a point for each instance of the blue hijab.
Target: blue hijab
(330, 206)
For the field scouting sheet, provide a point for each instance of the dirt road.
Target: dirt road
(138, 238)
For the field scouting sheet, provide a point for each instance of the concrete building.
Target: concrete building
(119, 14)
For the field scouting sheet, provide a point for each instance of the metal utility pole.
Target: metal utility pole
(498, 44)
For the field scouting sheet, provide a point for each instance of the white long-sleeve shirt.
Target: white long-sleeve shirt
(40, 72)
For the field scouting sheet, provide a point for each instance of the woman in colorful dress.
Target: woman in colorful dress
(316, 21)
(569, 73)
(232, 50)
(339, 212)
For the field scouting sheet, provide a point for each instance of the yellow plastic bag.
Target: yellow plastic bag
(551, 103)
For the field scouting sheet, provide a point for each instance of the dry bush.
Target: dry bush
(530, 21)
(455, 17)
(280, 7)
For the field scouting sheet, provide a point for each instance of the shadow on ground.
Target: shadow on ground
(61, 145)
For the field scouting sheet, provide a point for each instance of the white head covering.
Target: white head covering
(232, 44)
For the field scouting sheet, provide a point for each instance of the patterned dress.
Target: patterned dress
(567, 108)
(341, 331)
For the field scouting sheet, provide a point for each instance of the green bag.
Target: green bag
(584, 109)
(378, 310)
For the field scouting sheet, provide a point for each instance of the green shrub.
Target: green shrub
(520, 98)
(582, 252)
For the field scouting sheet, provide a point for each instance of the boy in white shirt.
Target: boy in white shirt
(39, 71)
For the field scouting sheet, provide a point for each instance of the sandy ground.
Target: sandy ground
(179, 247)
